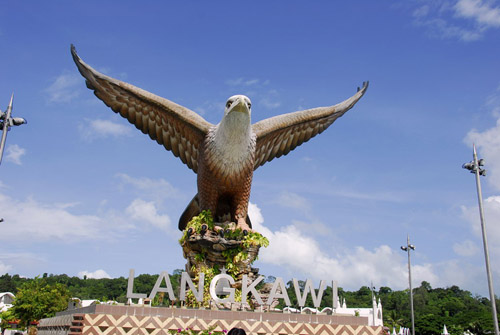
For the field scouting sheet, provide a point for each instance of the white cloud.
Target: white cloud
(421, 11)
(293, 200)
(144, 211)
(242, 82)
(211, 106)
(56, 221)
(466, 20)
(488, 143)
(93, 129)
(19, 262)
(441, 28)
(14, 153)
(493, 102)
(352, 268)
(480, 11)
(466, 248)
(159, 189)
(315, 227)
(270, 99)
(64, 88)
(491, 207)
(98, 274)
(45, 221)
(4, 268)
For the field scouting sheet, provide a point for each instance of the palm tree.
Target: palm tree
(393, 319)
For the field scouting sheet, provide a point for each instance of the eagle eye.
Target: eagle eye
(229, 103)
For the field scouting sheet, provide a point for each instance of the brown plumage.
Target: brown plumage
(225, 155)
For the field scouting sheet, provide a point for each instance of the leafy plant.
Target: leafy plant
(254, 239)
(210, 273)
(196, 223)
(37, 299)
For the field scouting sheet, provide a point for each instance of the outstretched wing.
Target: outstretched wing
(279, 135)
(177, 128)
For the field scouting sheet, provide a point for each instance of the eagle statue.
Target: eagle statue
(223, 156)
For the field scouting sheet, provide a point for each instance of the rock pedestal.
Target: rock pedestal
(209, 250)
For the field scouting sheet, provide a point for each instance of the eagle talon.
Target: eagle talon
(242, 224)
(204, 229)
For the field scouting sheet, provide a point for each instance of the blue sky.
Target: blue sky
(83, 192)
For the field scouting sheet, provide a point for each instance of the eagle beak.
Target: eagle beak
(240, 106)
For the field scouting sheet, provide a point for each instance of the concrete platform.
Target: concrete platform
(134, 320)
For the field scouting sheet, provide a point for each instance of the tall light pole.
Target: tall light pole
(475, 167)
(407, 249)
(6, 121)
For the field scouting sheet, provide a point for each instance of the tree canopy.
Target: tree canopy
(37, 299)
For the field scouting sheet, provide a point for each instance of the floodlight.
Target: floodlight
(17, 121)
(469, 166)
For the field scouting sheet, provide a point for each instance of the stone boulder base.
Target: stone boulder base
(206, 251)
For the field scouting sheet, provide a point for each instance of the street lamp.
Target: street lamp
(475, 167)
(407, 249)
(6, 121)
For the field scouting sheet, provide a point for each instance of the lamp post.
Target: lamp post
(475, 167)
(6, 121)
(407, 249)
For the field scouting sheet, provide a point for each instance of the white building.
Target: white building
(6, 300)
(373, 314)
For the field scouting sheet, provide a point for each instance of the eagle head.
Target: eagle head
(238, 103)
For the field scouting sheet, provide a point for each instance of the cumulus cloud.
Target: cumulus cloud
(46, 221)
(13, 261)
(466, 248)
(488, 144)
(352, 268)
(145, 211)
(4, 268)
(64, 88)
(466, 20)
(480, 11)
(156, 188)
(98, 274)
(243, 82)
(14, 153)
(293, 200)
(270, 99)
(55, 221)
(491, 206)
(211, 106)
(93, 129)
